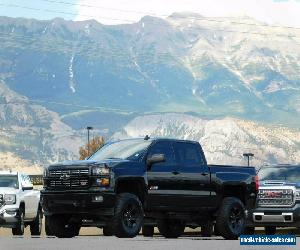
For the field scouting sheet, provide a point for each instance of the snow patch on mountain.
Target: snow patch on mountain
(71, 75)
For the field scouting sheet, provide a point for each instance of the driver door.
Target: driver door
(162, 180)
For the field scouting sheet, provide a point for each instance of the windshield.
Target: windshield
(9, 181)
(290, 174)
(127, 149)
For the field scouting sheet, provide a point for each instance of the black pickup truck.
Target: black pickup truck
(131, 181)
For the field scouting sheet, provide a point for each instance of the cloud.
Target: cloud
(284, 12)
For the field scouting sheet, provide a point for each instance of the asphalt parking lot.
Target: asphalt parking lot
(140, 242)
(91, 238)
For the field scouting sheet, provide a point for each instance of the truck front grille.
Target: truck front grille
(68, 178)
(70, 172)
(72, 183)
(276, 197)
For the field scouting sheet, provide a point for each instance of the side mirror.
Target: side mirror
(156, 158)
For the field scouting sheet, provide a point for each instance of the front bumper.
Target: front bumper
(275, 216)
(8, 216)
(78, 202)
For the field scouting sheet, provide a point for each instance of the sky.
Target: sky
(279, 12)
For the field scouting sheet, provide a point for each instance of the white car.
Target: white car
(19, 203)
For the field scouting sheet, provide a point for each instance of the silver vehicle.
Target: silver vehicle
(278, 200)
(19, 203)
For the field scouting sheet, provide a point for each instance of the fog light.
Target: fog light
(288, 217)
(98, 198)
(258, 217)
(102, 181)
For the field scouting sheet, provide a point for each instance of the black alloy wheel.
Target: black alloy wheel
(236, 218)
(131, 215)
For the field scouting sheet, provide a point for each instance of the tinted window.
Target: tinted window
(188, 153)
(290, 173)
(9, 181)
(163, 147)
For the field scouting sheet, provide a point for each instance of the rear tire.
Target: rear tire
(216, 232)
(59, 226)
(20, 227)
(129, 216)
(36, 225)
(148, 231)
(207, 229)
(171, 228)
(231, 218)
(249, 230)
(270, 230)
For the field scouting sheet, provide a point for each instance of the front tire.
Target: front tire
(171, 228)
(36, 225)
(231, 218)
(129, 216)
(61, 228)
(20, 227)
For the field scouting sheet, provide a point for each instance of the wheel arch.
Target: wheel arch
(237, 191)
(134, 185)
(22, 206)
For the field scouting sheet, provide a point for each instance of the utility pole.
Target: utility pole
(249, 156)
(88, 138)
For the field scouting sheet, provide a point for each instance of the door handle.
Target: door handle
(175, 172)
(204, 174)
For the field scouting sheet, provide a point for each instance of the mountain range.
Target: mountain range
(64, 75)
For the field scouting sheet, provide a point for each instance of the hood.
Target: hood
(279, 183)
(8, 190)
(78, 163)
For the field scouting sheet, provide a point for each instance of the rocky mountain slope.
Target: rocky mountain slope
(214, 67)
(224, 140)
(31, 135)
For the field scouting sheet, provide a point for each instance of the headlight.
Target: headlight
(100, 170)
(9, 199)
(298, 194)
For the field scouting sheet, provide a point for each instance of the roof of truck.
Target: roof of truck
(5, 172)
(154, 139)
